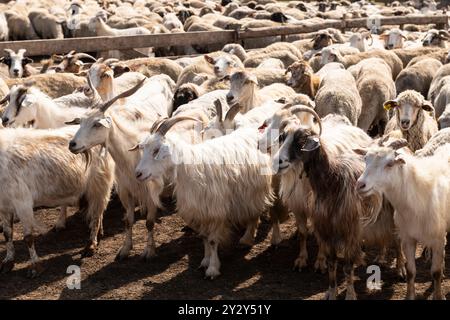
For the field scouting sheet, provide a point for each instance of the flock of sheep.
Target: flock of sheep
(345, 130)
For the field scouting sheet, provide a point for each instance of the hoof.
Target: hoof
(6, 266)
(35, 270)
(122, 255)
(204, 264)
(212, 273)
(88, 251)
(330, 294)
(300, 263)
(320, 266)
(247, 242)
(148, 255)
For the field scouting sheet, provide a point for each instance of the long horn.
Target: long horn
(71, 53)
(309, 110)
(234, 110)
(110, 61)
(169, 123)
(219, 111)
(156, 124)
(5, 98)
(85, 55)
(124, 94)
(100, 60)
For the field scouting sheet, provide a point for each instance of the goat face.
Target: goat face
(223, 66)
(300, 74)
(183, 96)
(16, 63)
(102, 79)
(21, 108)
(242, 84)
(435, 38)
(93, 131)
(322, 40)
(329, 55)
(156, 158)
(380, 164)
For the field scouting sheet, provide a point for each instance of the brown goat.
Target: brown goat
(303, 79)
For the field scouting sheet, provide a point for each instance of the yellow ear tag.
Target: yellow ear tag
(389, 105)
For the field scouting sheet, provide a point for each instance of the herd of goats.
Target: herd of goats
(345, 130)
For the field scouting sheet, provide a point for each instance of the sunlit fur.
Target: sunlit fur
(230, 168)
(419, 190)
(37, 170)
(422, 124)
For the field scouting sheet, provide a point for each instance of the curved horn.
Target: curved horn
(219, 111)
(156, 124)
(71, 53)
(5, 99)
(21, 51)
(100, 60)
(110, 61)
(311, 111)
(287, 106)
(84, 55)
(124, 94)
(169, 123)
(234, 110)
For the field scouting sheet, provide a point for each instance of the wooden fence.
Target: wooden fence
(97, 44)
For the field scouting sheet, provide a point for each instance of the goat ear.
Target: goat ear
(27, 60)
(312, 143)
(106, 122)
(209, 59)
(427, 106)
(75, 121)
(399, 159)
(361, 152)
(134, 148)
(252, 78)
(390, 104)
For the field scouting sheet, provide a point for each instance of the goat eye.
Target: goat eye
(97, 125)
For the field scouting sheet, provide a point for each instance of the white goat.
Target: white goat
(37, 170)
(118, 129)
(236, 174)
(419, 191)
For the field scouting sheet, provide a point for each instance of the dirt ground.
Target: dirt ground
(263, 272)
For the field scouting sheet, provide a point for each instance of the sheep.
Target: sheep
(334, 53)
(102, 29)
(419, 192)
(46, 25)
(389, 57)
(406, 55)
(54, 85)
(148, 67)
(439, 91)
(19, 26)
(358, 40)
(224, 64)
(118, 129)
(337, 93)
(285, 56)
(244, 91)
(394, 39)
(232, 202)
(414, 116)
(436, 38)
(51, 176)
(438, 139)
(18, 64)
(4, 30)
(375, 86)
(271, 63)
(28, 104)
(332, 169)
(281, 50)
(102, 77)
(417, 76)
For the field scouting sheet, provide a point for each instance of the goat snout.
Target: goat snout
(5, 120)
(360, 185)
(72, 145)
(138, 174)
(230, 97)
(16, 72)
(389, 46)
